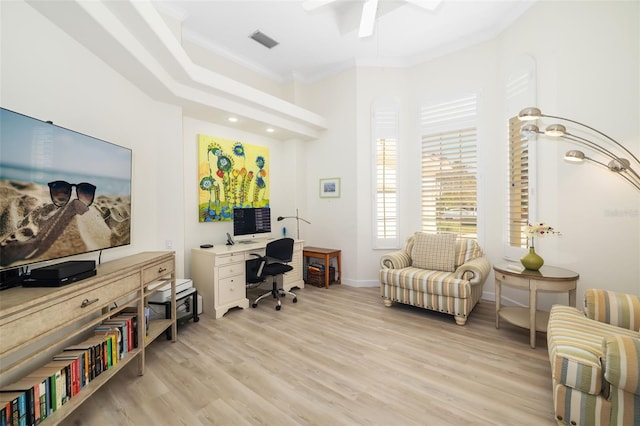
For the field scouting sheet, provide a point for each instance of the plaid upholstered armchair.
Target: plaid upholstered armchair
(436, 272)
(595, 360)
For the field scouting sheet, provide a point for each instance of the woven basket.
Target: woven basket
(316, 278)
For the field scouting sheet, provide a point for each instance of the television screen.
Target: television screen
(250, 221)
(63, 193)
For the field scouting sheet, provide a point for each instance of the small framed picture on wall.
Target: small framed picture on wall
(330, 188)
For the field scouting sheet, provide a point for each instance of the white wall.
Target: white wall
(282, 174)
(48, 75)
(587, 56)
(334, 221)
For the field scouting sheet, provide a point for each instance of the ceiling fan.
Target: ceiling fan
(369, 11)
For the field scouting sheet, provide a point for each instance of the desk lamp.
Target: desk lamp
(298, 219)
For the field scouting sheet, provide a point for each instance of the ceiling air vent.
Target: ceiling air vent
(264, 39)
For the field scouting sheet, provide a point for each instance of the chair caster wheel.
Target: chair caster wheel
(278, 307)
(295, 300)
(255, 305)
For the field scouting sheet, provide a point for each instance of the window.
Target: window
(385, 171)
(519, 196)
(520, 209)
(449, 190)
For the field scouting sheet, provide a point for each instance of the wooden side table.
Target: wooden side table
(548, 279)
(326, 255)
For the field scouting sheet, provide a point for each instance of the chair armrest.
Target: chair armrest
(622, 363)
(475, 271)
(395, 260)
(619, 309)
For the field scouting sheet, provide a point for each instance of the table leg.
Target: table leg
(572, 297)
(327, 261)
(498, 300)
(338, 259)
(533, 304)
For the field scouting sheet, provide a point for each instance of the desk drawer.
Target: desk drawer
(230, 290)
(225, 259)
(158, 270)
(513, 281)
(67, 311)
(231, 270)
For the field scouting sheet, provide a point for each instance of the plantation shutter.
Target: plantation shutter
(519, 194)
(449, 167)
(385, 169)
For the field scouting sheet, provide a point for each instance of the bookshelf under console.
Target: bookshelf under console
(38, 323)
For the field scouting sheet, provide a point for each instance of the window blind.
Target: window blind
(519, 200)
(385, 169)
(449, 194)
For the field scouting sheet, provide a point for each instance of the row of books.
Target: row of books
(317, 267)
(33, 398)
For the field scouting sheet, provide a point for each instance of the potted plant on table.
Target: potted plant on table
(532, 260)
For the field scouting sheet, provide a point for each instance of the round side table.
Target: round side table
(548, 279)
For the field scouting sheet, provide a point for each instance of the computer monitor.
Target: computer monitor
(251, 223)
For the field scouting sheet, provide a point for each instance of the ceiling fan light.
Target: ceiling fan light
(426, 4)
(368, 19)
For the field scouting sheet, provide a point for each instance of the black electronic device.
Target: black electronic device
(206, 245)
(78, 187)
(60, 274)
(57, 282)
(251, 221)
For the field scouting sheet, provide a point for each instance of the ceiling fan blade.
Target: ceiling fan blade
(426, 4)
(368, 19)
(311, 5)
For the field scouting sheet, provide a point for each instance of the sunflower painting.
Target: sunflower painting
(231, 174)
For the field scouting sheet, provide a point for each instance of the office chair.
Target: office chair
(272, 264)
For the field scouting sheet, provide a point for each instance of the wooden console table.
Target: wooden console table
(37, 323)
(547, 279)
(326, 255)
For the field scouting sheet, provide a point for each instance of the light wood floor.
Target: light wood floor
(337, 357)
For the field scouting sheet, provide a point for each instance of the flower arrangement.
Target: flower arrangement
(539, 229)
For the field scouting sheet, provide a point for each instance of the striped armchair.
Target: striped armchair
(595, 360)
(454, 290)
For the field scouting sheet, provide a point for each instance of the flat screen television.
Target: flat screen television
(248, 223)
(63, 193)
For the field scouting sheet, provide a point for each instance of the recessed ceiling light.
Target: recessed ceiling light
(233, 119)
(270, 130)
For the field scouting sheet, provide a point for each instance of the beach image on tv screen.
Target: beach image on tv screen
(62, 193)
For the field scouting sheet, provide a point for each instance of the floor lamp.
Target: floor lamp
(298, 219)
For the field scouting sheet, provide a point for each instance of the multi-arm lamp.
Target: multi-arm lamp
(625, 167)
(298, 219)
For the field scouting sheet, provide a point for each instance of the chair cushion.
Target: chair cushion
(467, 249)
(434, 251)
(427, 281)
(613, 308)
(575, 348)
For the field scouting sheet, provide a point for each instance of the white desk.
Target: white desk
(218, 273)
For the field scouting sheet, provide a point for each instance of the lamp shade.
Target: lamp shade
(529, 129)
(555, 130)
(618, 165)
(529, 114)
(574, 156)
